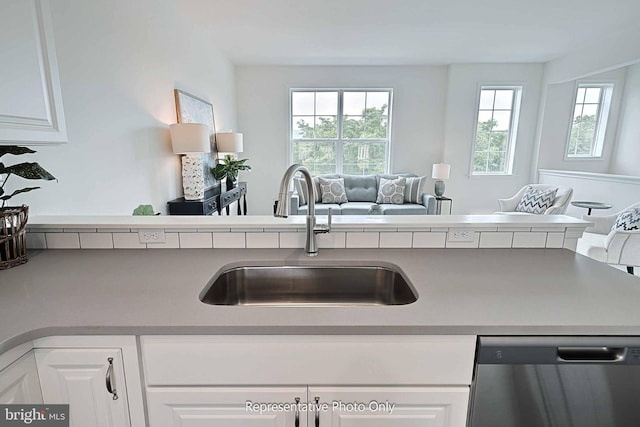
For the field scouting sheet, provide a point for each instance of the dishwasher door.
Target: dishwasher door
(556, 382)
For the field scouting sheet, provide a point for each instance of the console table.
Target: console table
(214, 200)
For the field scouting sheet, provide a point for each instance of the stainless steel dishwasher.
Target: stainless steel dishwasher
(556, 382)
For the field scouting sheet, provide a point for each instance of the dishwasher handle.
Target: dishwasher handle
(591, 354)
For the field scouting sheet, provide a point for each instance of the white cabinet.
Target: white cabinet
(30, 95)
(389, 406)
(224, 407)
(19, 382)
(99, 377)
(81, 378)
(198, 381)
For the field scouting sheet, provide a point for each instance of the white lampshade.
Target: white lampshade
(440, 171)
(187, 138)
(229, 142)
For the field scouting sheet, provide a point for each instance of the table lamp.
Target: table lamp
(440, 172)
(229, 142)
(191, 139)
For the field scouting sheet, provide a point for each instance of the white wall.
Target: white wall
(263, 107)
(119, 62)
(626, 159)
(557, 119)
(479, 194)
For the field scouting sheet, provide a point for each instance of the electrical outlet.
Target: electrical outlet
(151, 236)
(461, 235)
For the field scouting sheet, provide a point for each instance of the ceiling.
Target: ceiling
(405, 32)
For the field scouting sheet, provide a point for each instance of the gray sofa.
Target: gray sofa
(362, 191)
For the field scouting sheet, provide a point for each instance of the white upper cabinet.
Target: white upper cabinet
(30, 96)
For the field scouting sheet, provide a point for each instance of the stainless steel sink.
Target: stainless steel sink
(309, 285)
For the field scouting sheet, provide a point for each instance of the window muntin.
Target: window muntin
(341, 131)
(496, 130)
(589, 120)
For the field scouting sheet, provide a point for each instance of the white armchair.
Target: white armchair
(560, 203)
(614, 247)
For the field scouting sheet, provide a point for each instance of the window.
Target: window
(589, 120)
(341, 131)
(496, 130)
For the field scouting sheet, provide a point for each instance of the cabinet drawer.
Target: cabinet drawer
(321, 360)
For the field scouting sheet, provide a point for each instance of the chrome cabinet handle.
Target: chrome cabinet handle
(317, 399)
(111, 387)
(297, 420)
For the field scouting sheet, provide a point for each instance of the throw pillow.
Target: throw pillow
(628, 220)
(332, 190)
(391, 191)
(536, 201)
(413, 189)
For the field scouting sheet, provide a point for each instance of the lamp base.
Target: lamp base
(192, 177)
(439, 188)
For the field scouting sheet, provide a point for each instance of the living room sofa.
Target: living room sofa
(362, 191)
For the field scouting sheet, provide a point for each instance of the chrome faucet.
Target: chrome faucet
(282, 211)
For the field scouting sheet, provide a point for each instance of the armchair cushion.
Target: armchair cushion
(628, 220)
(536, 201)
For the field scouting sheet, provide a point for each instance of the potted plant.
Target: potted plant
(229, 168)
(13, 219)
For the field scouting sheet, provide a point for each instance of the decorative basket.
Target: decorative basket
(13, 236)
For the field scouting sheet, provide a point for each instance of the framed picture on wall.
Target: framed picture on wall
(191, 109)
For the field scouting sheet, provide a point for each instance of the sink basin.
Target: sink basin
(309, 285)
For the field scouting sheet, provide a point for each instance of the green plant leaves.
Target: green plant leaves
(27, 170)
(230, 168)
(22, 190)
(15, 150)
(145, 210)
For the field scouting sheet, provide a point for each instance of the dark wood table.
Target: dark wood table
(216, 199)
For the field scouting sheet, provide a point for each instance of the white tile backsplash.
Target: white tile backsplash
(262, 240)
(529, 240)
(429, 239)
(127, 241)
(396, 240)
(96, 240)
(171, 241)
(63, 241)
(36, 241)
(498, 239)
(229, 240)
(292, 240)
(363, 240)
(555, 240)
(196, 240)
(334, 240)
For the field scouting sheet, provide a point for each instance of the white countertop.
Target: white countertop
(270, 222)
(460, 291)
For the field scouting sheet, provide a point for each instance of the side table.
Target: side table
(591, 205)
(439, 200)
(215, 200)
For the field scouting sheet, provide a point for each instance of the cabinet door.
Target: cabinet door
(79, 377)
(367, 406)
(223, 406)
(19, 382)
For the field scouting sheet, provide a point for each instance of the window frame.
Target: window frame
(339, 140)
(604, 111)
(516, 107)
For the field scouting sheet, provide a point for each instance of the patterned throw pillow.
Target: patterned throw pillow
(301, 188)
(536, 201)
(413, 190)
(628, 220)
(391, 191)
(332, 190)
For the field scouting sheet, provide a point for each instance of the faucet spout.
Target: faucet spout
(284, 208)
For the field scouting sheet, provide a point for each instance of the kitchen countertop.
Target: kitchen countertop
(461, 291)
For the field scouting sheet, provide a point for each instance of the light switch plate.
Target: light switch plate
(460, 235)
(151, 235)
